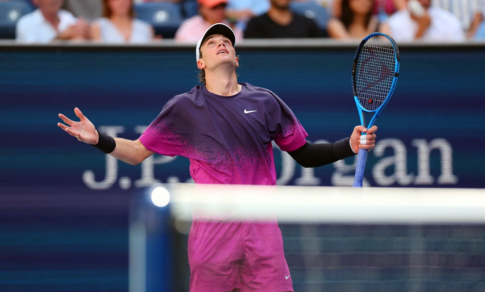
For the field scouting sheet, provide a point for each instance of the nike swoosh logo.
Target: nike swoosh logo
(248, 112)
(286, 277)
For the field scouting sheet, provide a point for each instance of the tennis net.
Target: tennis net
(347, 239)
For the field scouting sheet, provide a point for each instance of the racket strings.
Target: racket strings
(375, 72)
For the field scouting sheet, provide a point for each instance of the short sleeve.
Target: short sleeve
(21, 35)
(455, 32)
(166, 135)
(284, 127)
(180, 35)
(402, 28)
(190, 30)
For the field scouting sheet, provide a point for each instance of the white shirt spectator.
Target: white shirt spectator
(464, 10)
(444, 27)
(141, 32)
(34, 28)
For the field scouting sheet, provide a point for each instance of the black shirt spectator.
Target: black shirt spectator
(264, 27)
(281, 22)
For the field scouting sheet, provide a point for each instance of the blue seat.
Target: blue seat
(28, 2)
(191, 8)
(10, 12)
(165, 17)
(313, 11)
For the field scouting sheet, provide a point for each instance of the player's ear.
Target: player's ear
(201, 64)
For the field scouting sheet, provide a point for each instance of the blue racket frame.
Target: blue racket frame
(362, 156)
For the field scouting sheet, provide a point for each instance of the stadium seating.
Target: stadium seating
(28, 2)
(165, 17)
(191, 8)
(314, 11)
(10, 12)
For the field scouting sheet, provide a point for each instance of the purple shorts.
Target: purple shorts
(237, 256)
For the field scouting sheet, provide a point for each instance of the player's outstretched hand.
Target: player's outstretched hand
(83, 130)
(368, 141)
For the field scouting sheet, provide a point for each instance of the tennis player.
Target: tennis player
(225, 128)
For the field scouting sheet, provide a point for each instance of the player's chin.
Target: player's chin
(226, 58)
(227, 61)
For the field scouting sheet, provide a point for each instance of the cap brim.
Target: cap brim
(218, 28)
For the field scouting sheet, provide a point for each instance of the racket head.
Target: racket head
(375, 72)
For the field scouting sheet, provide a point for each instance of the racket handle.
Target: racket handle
(359, 170)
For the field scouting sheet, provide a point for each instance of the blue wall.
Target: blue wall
(438, 105)
(58, 233)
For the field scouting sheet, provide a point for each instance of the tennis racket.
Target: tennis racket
(374, 77)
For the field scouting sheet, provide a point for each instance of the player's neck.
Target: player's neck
(222, 84)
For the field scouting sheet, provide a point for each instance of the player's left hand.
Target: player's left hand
(357, 141)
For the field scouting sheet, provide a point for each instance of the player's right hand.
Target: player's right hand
(83, 130)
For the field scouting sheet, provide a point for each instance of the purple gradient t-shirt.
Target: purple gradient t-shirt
(226, 138)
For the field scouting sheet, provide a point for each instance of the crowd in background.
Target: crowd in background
(114, 21)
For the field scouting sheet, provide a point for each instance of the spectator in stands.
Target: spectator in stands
(210, 12)
(426, 24)
(480, 33)
(468, 12)
(87, 9)
(173, 1)
(281, 22)
(356, 20)
(243, 10)
(119, 25)
(49, 22)
(324, 3)
(381, 7)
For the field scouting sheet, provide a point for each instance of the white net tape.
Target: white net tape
(329, 204)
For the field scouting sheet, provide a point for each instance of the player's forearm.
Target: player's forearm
(315, 155)
(131, 152)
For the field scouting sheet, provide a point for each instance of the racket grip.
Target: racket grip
(359, 170)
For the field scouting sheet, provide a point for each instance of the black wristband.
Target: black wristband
(106, 143)
(342, 149)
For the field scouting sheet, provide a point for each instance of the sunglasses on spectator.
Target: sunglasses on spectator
(219, 6)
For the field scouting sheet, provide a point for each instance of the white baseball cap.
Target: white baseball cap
(218, 28)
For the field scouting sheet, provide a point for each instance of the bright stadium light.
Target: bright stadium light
(160, 196)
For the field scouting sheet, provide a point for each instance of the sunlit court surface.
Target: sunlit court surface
(214, 187)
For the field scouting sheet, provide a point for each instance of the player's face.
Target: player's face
(216, 50)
